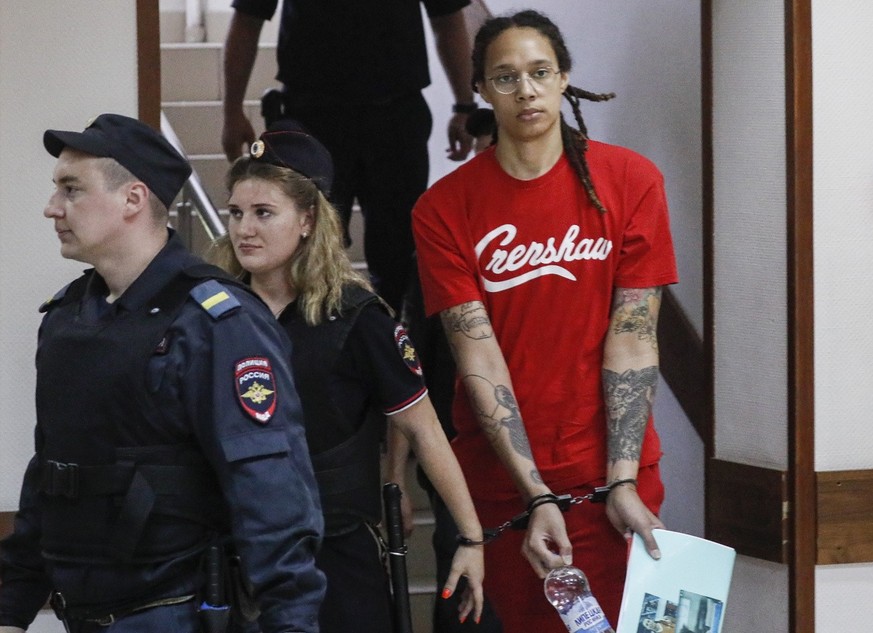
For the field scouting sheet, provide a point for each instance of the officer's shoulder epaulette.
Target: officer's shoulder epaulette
(355, 297)
(48, 303)
(214, 297)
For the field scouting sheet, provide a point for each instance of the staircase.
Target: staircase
(191, 89)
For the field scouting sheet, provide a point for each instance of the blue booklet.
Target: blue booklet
(685, 591)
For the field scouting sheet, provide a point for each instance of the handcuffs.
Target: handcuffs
(520, 521)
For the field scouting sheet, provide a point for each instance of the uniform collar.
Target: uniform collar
(169, 261)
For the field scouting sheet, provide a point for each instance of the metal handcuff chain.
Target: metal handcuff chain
(564, 502)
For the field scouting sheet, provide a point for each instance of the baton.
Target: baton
(397, 558)
(214, 611)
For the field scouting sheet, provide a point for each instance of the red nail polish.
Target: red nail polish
(478, 618)
(446, 593)
(464, 619)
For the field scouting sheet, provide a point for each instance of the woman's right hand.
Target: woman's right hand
(546, 544)
(468, 561)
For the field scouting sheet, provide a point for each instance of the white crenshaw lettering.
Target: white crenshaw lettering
(544, 258)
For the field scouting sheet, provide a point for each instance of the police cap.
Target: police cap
(288, 144)
(138, 147)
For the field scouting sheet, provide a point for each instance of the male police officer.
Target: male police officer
(167, 420)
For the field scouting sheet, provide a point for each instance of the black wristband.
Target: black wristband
(487, 537)
(621, 482)
(464, 108)
(562, 501)
(602, 492)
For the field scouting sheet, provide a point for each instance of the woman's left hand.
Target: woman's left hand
(629, 515)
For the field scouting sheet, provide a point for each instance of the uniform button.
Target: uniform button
(154, 310)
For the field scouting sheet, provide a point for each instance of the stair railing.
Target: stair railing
(195, 27)
(194, 200)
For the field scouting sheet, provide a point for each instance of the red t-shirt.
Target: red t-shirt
(544, 262)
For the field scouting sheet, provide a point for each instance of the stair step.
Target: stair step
(215, 23)
(421, 606)
(193, 72)
(420, 556)
(179, 79)
(198, 123)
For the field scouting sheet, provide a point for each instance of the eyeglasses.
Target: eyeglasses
(508, 82)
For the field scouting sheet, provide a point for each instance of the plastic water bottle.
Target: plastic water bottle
(568, 590)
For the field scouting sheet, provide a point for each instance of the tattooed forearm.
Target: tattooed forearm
(629, 396)
(635, 311)
(498, 410)
(470, 319)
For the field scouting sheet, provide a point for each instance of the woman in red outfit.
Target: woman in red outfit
(545, 256)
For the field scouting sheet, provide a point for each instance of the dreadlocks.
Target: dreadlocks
(575, 141)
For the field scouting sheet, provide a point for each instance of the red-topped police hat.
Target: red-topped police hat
(288, 144)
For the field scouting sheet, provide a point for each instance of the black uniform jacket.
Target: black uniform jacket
(209, 391)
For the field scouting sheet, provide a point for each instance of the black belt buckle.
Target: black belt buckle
(62, 479)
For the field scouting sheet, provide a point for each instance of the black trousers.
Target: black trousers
(381, 159)
(358, 595)
(445, 613)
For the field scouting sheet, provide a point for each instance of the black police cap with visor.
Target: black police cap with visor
(288, 144)
(137, 147)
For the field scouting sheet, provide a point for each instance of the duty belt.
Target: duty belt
(65, 613)
(143, 489)
(73, 480)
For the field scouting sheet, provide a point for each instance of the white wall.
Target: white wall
(58, 68)
(843, 234)
(750, 271)
(750, 233)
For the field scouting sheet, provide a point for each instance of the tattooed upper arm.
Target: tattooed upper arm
(635, 311)
(470, 319)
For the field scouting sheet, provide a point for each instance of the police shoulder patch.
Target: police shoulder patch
(256, 388)
(214, 297)
(407, 350)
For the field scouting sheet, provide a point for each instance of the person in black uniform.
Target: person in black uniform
(168, 424)
(439, 369)
(351, 357)
(352, 73)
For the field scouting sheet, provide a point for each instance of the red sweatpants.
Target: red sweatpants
(599, 550)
